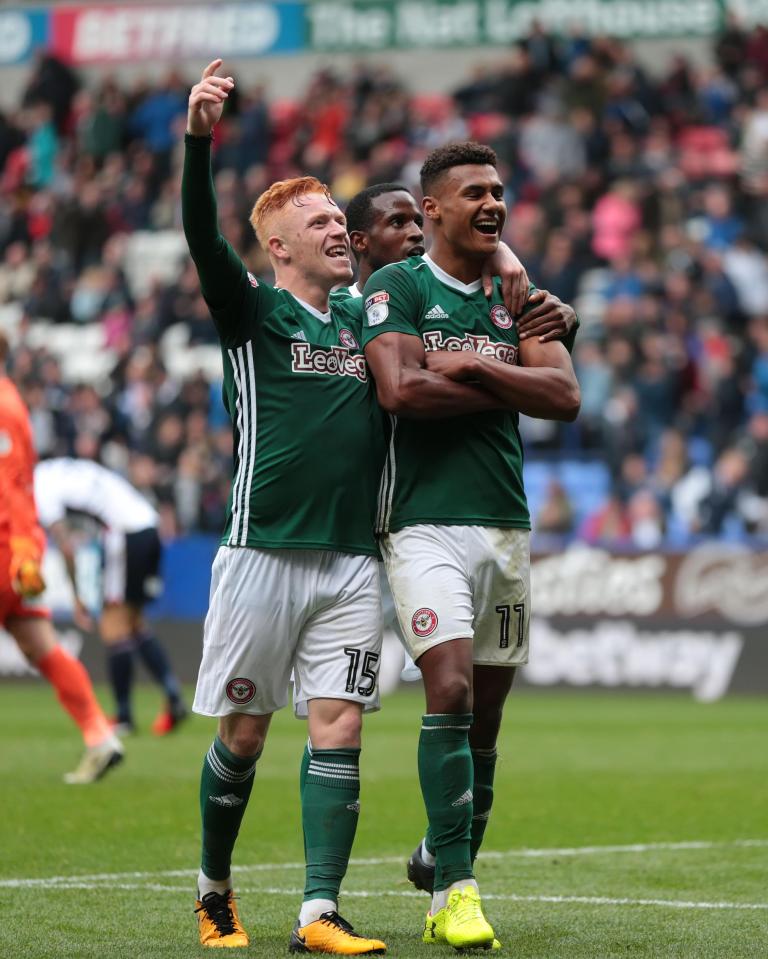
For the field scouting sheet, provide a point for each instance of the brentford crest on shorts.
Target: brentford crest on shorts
(347, 339)
(424, 622)
(240, 691)
(501, 317)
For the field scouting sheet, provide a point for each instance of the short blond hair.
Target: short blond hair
(278, 196)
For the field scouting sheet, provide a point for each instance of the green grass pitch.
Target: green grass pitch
(108, 870)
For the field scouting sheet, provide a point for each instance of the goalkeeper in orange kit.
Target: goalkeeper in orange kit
(22, 613)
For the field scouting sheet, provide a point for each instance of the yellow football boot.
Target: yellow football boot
(332, 934)
(465, 925)
(434, 930)
(218, 922)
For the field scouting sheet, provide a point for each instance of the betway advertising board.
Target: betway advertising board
(695, 622)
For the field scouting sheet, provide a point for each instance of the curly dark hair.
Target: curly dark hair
(451, 155)
(359, 211)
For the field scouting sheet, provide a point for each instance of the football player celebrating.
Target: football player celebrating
(295, 582)
(453, 371)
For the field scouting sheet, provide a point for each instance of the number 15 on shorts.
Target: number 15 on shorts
(368, 672)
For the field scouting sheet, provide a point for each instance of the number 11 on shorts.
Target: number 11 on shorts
(505, 611)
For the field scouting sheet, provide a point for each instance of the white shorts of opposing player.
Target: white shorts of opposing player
(453, 582)
(276, 611)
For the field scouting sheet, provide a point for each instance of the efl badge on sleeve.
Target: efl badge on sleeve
(376, 308)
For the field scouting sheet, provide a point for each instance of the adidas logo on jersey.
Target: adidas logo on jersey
(299, 335)
(463, 799)
(436, 313)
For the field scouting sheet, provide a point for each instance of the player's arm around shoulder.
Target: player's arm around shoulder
(546, 316)
(394, 350)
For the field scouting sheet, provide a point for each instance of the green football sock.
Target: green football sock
(303, 769)
(225, 786)
(330, 808)
(484, 765)
(445, 773)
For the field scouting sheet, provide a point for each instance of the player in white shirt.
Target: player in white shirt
(131, 573)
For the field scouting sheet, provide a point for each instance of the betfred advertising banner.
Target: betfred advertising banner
(167, 33)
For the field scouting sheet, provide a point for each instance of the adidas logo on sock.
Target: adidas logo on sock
(463, 799)
(436, 313)
(354, 806)
(229, 800)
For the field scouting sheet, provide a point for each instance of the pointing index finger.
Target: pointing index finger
(212, 67)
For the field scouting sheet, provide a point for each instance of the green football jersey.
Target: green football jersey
(462, 470)
(306, 427)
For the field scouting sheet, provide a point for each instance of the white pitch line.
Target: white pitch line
(408, 894)
(117, 877)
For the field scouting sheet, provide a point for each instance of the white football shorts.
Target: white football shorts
(273, 611)
(454, 582)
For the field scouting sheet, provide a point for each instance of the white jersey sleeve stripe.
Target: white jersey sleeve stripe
(387, 490)
(242, 506)
(237, 485)
(252, 434)
(382, 494)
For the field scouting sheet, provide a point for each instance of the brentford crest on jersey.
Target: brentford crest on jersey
(347, 339)
(501, 317)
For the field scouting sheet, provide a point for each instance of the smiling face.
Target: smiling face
(396, 232)
(467, 208)
(310, 235)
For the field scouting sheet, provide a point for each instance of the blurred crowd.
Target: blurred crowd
(641, 198)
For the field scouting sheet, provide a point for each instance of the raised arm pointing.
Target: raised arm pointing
(206, 100)
(218, 266)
